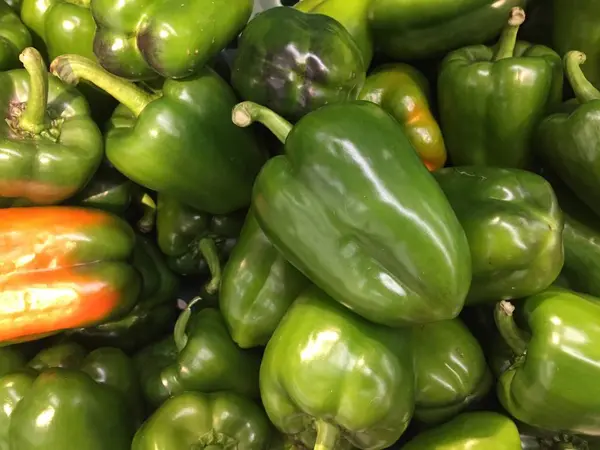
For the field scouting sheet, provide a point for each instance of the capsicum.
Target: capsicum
(63, 268)
(491, 99)
(351, 205)
(14, 37)
(257, 287)
(514, 226)
(179, 142)
(50, 145)
(295, 62)
(65, 398)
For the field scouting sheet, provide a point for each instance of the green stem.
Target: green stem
(33, 119)
(508, 40)
(327, 436)
(179, 331)
(245, 113)
(72, 68)
(208, 249)
(512, 335)
(584, 90)
(146, 223)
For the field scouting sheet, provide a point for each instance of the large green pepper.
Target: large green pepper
(180, 142)
(50, 146)
(414, 29)
(145, 38)
(14, 37)
(200, 356)
(470, 431)
(199, 421)
(403, 92)
(351, 206)
(257, 288)
(450, 369)
(492, 99)
(332, 380)
(295, 62)
(65, 398)
(553, 381)
(514, 226)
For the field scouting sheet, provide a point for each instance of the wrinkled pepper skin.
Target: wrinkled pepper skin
(195, 421)
(558, 347)
(348, 215)
(63, 268)
(415, 29)
(470, 431)
(403, 92)
(489, 110)
(257, 288)
(295, 62)
(93, 398)
(50, 145)
(202, 357)
(145, 38)
(514, 226)
(332, 380)
(450, 368)
(14, 37)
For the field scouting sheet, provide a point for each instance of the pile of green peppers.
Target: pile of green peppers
(313, 225)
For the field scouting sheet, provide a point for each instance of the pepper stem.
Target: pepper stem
(146, 223)
(245, 113)
(179, 331)
(208, 249)
(512, 335)
(508, 40)
(327, 436)
(72, 68)
(33, 119)
(584, 90)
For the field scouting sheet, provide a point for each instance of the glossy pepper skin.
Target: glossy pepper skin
(93, 398)
(50, 145)
(145, 38)
(557, 347)
(295, 62)
(470, 431)
(180, 142)
(366, 402)
(415, 29)
(450, 369)
(195, 420)
(489, 109)
(257, 288)
(200, 356)
(514, 226)
(14, 37)
(63, 268)
(403, 92)
(346, 215)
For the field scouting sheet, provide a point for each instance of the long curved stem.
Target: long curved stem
(584, 90)
(245, 113)
(508, 39)
(208, 249)
(33, 119)
(179, 332)
(327, 436)
(512, 335)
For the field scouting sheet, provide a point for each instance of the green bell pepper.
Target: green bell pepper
(11, 360)
(483, 430)
(14, 37)
(514, 226)
(196, 243)
(257, 288)
(333, 380)
(194, 420)
(295, 62)
(403, 92)
(65, 398)
(492, 99)
(351, 206)
(552, 383)
(180, 142)
(200, 356)
(450, 369)
(50, 145)
(145, 38)
(414, 29)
